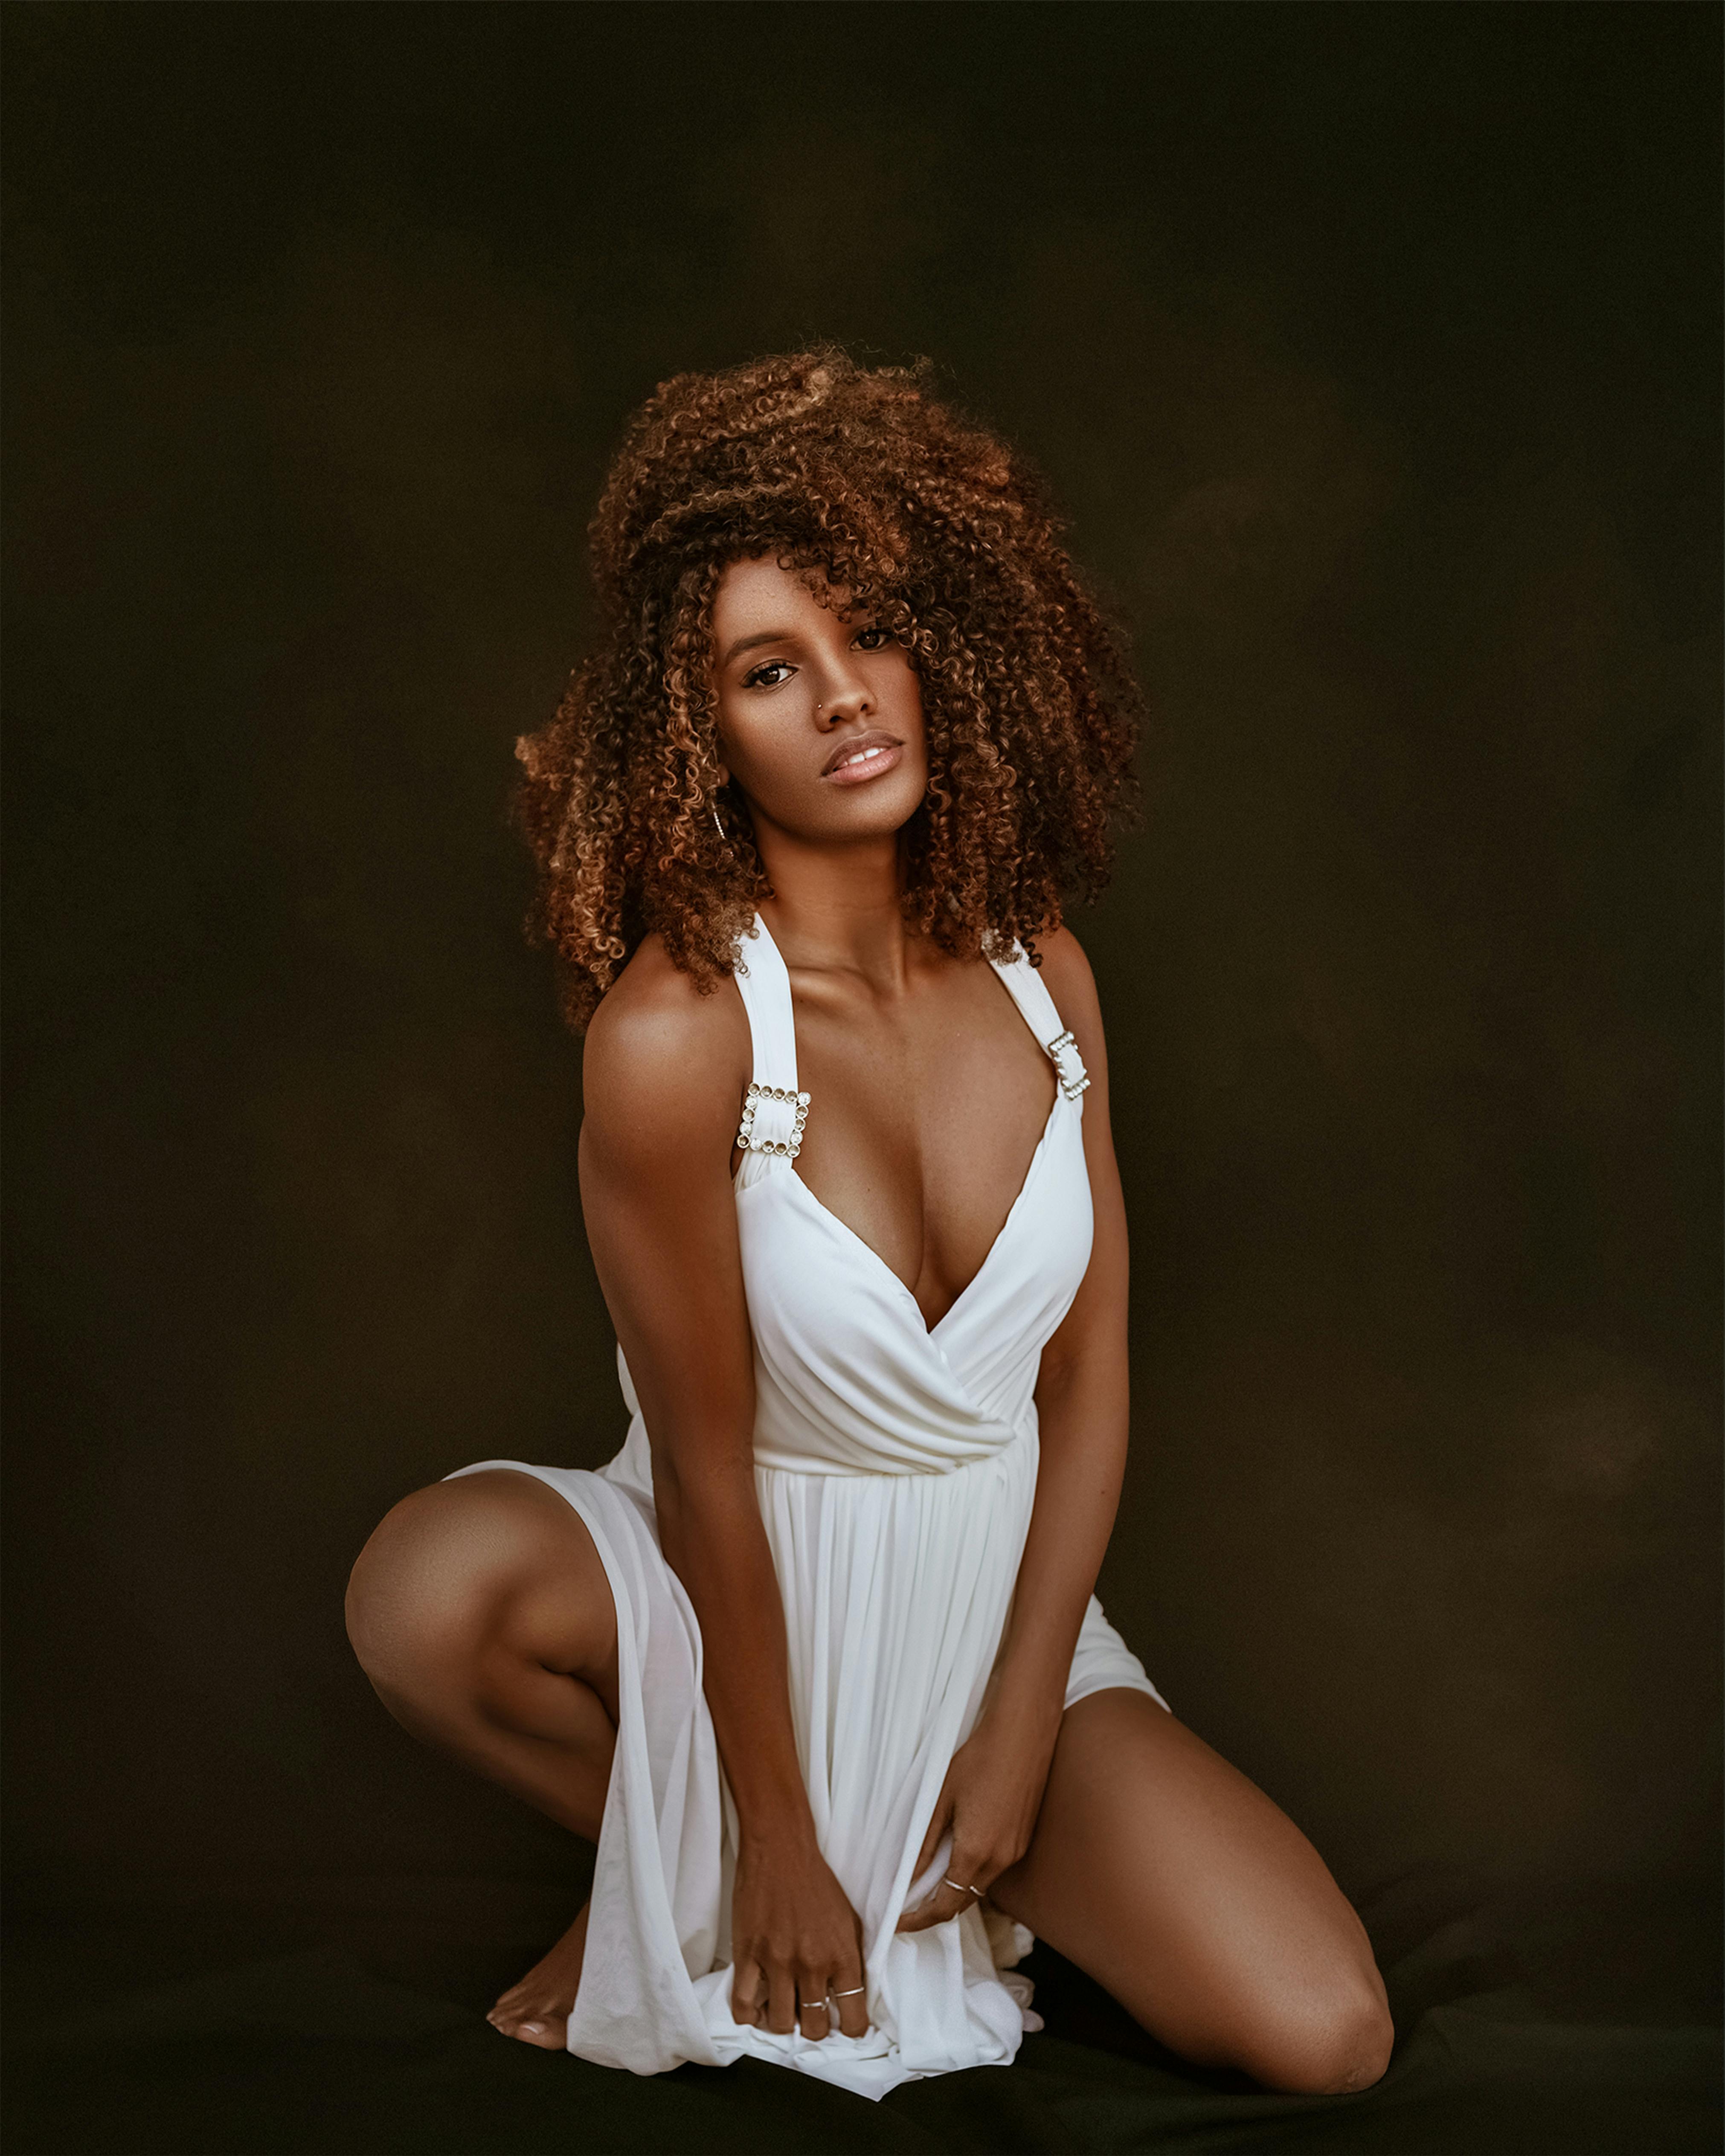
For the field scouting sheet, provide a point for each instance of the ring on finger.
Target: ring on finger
(962, 1888)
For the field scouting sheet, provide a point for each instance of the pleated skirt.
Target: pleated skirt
(896, 1589)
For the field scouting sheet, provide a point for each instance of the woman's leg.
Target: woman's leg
(1177, 1884)
(480, 1611)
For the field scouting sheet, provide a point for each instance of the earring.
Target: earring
(718, 826)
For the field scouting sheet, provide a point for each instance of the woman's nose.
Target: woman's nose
(846, 697)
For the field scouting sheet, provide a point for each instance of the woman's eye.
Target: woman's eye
(873, 639)
(757, 676)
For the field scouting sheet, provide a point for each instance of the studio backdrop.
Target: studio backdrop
(1374, 353)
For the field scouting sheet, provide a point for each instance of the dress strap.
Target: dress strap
(1024, 982)
(773, 1109)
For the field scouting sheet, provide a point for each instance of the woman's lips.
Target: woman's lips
(865, 757)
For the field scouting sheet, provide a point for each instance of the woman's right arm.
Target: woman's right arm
(663, 1076)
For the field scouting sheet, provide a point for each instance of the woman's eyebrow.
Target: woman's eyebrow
(749, 642)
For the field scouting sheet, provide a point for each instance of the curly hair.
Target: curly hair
(884, 498)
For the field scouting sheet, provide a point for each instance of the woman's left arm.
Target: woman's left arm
(993, 1788)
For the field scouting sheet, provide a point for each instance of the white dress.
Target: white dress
(896, 1465)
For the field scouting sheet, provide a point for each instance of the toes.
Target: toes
(548, 2033)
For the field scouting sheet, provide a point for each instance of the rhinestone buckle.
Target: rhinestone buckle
(1068, 1063)
(798, 1103)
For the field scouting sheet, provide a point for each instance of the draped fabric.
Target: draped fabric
(895, 1466)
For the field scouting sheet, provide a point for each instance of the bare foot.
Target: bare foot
(537, 2009)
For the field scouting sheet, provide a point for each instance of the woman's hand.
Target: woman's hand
(795, 1942)
(989, 1801)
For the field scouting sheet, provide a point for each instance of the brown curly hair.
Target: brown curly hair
(885, 499)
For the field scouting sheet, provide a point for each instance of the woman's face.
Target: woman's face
(820, 714)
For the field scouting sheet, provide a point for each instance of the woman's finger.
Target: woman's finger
(849, 1993)
(780, 2001)
(747, 1994)
(945, 1902)
(813, 2015)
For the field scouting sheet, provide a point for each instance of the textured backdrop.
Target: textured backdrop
(1374, 352)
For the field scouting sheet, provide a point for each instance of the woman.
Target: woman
(816, 1660)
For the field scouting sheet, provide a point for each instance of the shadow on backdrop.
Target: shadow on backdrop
(1375, 353)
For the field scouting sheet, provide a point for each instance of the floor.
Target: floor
(1568, 2021)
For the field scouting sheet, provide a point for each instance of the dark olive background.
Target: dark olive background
(1374, 351)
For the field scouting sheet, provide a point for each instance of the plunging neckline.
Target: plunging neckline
(861, 1241)
(903, 1286)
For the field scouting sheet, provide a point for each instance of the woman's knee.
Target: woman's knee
(455, 1571)
(426, 1584)
(1330, 2039)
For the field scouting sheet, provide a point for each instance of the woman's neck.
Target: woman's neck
(836, 907)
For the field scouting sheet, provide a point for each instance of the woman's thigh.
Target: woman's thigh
(1166, 1876)
(481, 1599)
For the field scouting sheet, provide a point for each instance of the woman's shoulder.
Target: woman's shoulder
(663, 1061)
(1068, 979)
